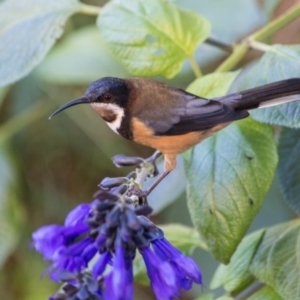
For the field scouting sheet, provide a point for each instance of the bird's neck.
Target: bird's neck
(115, 118)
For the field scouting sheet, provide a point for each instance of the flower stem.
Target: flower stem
(195, 67)
(141, 176)
(241, 49)
(90, 9)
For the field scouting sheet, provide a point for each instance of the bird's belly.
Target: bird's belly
(173, 144)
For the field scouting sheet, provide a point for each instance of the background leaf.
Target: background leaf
(248, 18)
(236, 276)
(265, 293)
(289, 167)
(276, 261)
(212, 85)
(3, 92)
(281, 62)
(206, 297)
(28, 29)
(228, 177)
(11, 214)
(72, 62)
(185, 238)
(151, 37)
(225, 190)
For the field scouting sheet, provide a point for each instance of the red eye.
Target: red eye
(106, 98)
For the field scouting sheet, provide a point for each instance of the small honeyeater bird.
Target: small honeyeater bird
(170, 119)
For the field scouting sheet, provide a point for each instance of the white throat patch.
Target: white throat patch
(112, 109)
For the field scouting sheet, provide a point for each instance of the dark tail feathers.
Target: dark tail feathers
(276, 93)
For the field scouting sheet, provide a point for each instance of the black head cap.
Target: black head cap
(108, 90)
(104, 90)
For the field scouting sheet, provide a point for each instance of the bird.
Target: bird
(170, 119)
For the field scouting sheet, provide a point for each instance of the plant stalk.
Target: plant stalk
(90, 9)
(241, 49)
(195, 67)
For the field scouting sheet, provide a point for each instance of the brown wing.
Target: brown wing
(199, 114)
(172, 111)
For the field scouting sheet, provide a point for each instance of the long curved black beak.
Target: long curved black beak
(81, 100)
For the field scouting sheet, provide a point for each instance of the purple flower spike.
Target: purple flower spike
(161, 274)
(114, 230)
(78, 215)
(119, 283)
(75, 258)
(185, 268)
(48, 239)
(101, 263)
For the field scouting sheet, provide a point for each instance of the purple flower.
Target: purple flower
(100, 265)
(58, 243)
(78, 215)
(119, 283)
(48, 240)
(108, 233)
(184, 267)
(161, 275)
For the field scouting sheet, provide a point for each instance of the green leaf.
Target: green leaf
(184, 238)
(80, 58)
(151, 37)
(228, 176)
(3, 93)
(276, 261)
(289, 167)
(206, 297)
(212, 85)
(281, 62)
(28, 29)
(236, 276)
(11, 214)
(265, 293)
(225, 298)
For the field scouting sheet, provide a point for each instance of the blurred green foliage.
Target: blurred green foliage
(47, 167)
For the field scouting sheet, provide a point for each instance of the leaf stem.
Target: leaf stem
(90, 9)
(195, 67)
(259, 46)
(241, 49)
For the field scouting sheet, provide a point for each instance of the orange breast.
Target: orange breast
(171, 145)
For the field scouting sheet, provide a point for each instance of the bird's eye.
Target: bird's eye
(106, 98)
